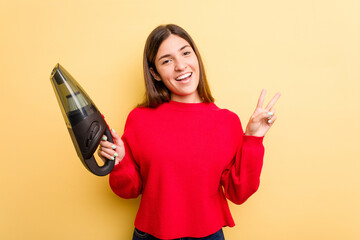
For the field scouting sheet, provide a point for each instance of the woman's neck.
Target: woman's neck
(194, 98)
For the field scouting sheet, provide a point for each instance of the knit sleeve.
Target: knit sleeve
(125, 179)
(242, 177)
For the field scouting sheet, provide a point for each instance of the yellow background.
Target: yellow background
(309, 50)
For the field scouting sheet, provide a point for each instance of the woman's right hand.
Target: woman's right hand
(112, 151)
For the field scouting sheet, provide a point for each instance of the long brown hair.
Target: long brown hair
(156, 92)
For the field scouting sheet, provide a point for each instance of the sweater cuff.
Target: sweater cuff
(116, 167)
(253, 139)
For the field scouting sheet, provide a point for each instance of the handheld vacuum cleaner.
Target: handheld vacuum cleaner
(84, 122)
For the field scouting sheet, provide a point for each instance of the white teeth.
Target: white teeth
(183, 76)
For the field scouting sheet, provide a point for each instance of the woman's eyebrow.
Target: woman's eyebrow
(168, 55)
(184, 47)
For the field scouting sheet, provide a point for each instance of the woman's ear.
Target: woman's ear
(155, 75)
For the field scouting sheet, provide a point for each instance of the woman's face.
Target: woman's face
(178, 67)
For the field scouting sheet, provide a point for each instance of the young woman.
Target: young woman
(182, 153)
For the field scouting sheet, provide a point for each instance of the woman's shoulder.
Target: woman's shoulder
(226, 113)
(229, 119)
(139, 112)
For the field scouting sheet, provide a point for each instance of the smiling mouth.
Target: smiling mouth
(184, 77)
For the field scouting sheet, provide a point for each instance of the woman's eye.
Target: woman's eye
(165, 62)
(187, 53)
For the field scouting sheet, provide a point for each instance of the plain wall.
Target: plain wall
(307, 50)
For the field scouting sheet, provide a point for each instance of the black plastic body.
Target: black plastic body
(85, 123)
(86, 136)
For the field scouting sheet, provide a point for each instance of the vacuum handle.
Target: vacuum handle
(109, 164)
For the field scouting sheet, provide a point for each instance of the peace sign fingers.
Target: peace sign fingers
(262, 118)
(272, 102)
(261, 99)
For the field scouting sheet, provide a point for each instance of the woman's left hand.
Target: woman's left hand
(262, 118)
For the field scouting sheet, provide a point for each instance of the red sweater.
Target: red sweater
(185, 159)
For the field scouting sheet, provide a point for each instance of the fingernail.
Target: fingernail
(116, 154)
(113, 130)
(104, 138)
(113, 146)
(270, 113)
(269, 117)
(112, 158)
(269, 121)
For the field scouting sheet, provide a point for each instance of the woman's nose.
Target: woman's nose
(180, 66)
